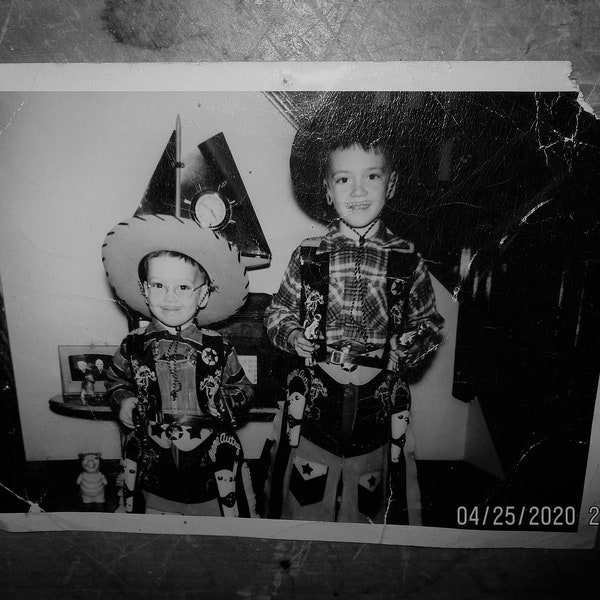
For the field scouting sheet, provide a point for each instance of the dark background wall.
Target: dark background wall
(103, 565)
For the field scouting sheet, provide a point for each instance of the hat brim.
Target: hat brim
(128, 242)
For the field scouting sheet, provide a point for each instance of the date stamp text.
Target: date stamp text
(522, 516)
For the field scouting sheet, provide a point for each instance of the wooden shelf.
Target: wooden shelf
(103, 412)
(74, 408)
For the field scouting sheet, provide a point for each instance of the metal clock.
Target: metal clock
(211, 209)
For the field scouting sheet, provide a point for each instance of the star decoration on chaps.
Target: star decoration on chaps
(156, 429)
(174, 432)
(307, 469)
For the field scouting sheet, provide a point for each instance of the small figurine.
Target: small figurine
(87, 387)
(91, 481)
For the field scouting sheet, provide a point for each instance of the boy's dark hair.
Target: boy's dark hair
(357, 126)
(143, 266)
(344, 119)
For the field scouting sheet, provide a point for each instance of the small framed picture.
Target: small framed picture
(83, 369)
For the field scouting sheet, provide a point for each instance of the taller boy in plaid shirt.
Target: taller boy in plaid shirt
(356, 309)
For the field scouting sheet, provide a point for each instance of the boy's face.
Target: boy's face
(358, 183)
(165, 273)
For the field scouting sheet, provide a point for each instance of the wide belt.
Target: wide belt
(340, 357)
(186, 420)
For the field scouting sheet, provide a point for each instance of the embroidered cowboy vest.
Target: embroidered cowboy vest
(401, 264)
(175, 375)
(346, 420)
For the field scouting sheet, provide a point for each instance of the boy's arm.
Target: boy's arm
(422, 322)
(282, 317)
(119, 379)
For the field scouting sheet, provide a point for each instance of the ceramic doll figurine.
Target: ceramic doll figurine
(91, 481)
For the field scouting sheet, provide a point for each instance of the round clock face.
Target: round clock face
(211, 209)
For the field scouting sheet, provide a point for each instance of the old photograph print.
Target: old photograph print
(496, 191)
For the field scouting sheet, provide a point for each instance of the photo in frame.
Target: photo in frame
(81, 363)
(497, 172)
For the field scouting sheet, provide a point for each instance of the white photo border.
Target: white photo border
(551, 76)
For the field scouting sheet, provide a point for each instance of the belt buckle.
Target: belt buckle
(335, 358)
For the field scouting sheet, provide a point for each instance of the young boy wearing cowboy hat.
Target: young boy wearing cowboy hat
(357, 309)
(176, 385)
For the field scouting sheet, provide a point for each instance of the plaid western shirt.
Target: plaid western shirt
(347, 319)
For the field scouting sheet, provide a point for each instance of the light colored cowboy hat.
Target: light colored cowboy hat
(129, 241)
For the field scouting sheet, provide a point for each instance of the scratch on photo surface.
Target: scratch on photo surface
(360, 549)
(131, 550)
(34, 507)
(558, 138)
(12, 116)
(297, 561)
(405, 565)
(466, 34)
(262, 36)
(107, 568)
(321, 15)
(530, 37)
(74, 567)
(580, 99)
(534, 209)
(165, 565)
(289, 567)
(267, 592)
(6, 21)
(361, 34)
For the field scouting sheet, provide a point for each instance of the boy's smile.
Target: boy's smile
(358, 183)
(167, 273)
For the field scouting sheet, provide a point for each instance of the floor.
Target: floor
(445, 485)
(104, 565)
(454, 494)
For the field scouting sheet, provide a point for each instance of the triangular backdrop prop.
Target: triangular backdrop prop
(209, 167)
